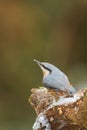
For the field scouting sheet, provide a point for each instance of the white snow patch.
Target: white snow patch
(41, 122)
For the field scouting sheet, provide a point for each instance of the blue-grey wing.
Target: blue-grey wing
(60, 83)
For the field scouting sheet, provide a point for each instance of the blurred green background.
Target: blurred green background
(54, 31)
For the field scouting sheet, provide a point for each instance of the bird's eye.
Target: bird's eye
(46, 68)
(42, 65)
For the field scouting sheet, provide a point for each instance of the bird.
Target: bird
(54, 78)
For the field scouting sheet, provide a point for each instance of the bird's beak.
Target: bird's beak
(45, 71)
(38, 62)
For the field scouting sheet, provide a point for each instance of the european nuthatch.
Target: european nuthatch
(54, 78)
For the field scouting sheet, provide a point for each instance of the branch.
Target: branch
(59, 111)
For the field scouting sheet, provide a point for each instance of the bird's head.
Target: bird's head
(45, 67)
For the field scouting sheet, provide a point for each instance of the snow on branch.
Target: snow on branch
(58, 110)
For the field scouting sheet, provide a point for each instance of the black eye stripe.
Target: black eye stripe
(46, 68)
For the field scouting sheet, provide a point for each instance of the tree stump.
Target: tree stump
(58, 110)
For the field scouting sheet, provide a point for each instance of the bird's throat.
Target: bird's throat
(45, 73)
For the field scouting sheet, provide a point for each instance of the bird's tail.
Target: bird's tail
(72, 90)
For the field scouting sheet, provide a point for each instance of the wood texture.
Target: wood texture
(59, 111)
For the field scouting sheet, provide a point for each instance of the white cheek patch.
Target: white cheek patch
(45, 72)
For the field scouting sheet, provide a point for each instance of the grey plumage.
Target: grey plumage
(55, 78)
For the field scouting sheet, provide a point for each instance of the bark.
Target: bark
(58, 110)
